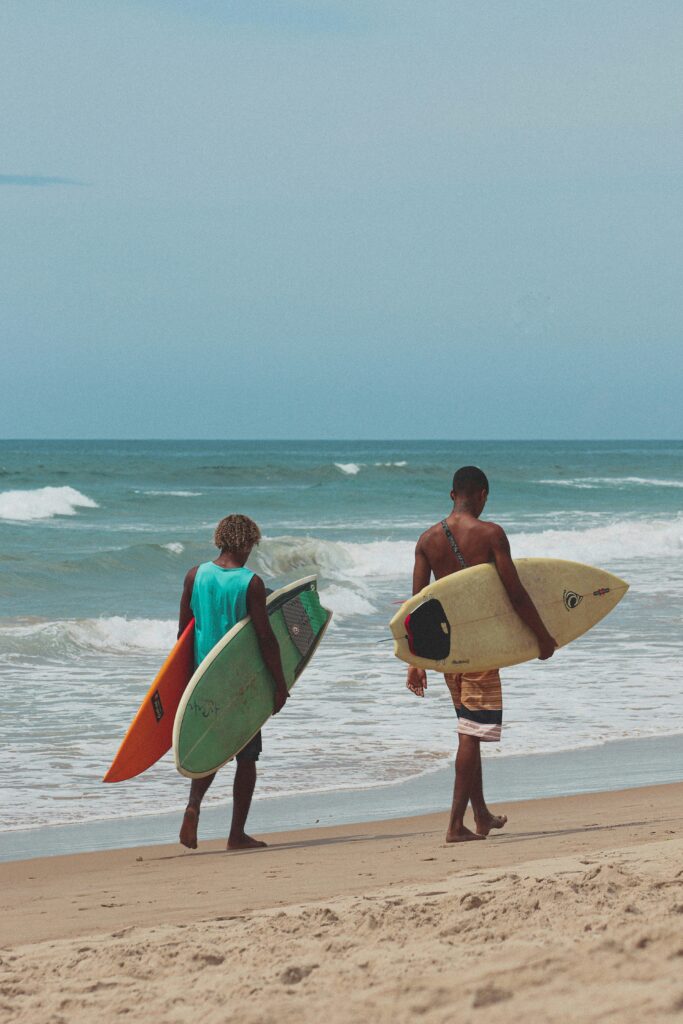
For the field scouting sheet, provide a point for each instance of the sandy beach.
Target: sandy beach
(574, 913)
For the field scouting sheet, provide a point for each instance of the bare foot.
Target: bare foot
(484, 825)
(462, 835)
(188, 829)
(244, 842)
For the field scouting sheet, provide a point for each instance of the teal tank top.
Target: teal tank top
(218, 602)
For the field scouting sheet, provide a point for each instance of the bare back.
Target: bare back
(462, 540)
(435, 553)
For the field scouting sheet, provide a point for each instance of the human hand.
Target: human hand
(281, 695)
(547, 647)
(417, 681)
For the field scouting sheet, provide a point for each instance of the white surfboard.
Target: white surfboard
(466, 623)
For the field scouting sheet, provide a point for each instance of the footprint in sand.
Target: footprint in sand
(487, 995)
(293, 975)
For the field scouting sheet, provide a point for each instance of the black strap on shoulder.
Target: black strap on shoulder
(451, 540)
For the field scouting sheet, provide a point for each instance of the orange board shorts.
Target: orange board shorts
(478, 701)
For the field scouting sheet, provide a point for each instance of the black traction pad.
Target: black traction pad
(298, 625)
(429, 631)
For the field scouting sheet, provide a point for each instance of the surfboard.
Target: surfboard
(230, 696)
(150, 733)
(466, 623)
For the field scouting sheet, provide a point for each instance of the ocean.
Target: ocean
(96, 537)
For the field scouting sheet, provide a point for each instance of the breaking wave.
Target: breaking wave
(175, 547)
(337, 560)
(113, 634)
(116, 634)
(42, 503)
(344, 602)
(615, 542)
(280, 556)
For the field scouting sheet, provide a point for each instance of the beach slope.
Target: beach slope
(575, 913)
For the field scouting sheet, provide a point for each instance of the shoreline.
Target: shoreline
(616, 765)
(555, 825)
(573, 912)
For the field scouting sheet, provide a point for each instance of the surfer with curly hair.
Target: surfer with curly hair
(456, 542)
(218, 595)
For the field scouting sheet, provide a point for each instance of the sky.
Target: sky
(303, 219)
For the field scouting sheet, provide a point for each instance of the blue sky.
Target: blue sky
(302, 219)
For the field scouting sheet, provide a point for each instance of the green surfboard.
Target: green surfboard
(230, 695)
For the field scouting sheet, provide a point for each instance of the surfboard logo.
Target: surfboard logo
(572, 599)
(601, 592)
(205, 708)
(157, 706)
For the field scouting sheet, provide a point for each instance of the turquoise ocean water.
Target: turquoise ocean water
(95, 538)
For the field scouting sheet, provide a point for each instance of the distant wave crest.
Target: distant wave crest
(42, 503)
(591, 483)
(353, 468)
(171, 494)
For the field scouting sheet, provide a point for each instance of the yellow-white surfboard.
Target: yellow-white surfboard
(466, 623)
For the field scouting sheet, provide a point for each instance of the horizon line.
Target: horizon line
(354, 440)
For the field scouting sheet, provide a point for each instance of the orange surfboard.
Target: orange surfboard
(150, 734)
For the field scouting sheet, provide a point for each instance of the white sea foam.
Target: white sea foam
(175, 547)
(400, 464)
(344, 602)
(114, 634)
(617, 541)
(596, 482)
(280, 556)
(42, 503)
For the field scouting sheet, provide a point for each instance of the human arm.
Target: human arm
(519, 597)
(417, 677)
(267, 641)
(185, 616)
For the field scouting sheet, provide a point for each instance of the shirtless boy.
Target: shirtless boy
(456, 542)
(218, 594)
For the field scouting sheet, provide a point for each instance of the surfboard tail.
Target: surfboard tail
(149, 735)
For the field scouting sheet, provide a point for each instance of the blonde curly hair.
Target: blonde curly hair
(236, 533)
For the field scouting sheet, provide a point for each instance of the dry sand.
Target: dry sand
(574, 913)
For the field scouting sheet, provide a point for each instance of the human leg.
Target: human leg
(242, 793)
(483, 818)
(466, 762)
(477, 699)
(188, 829)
